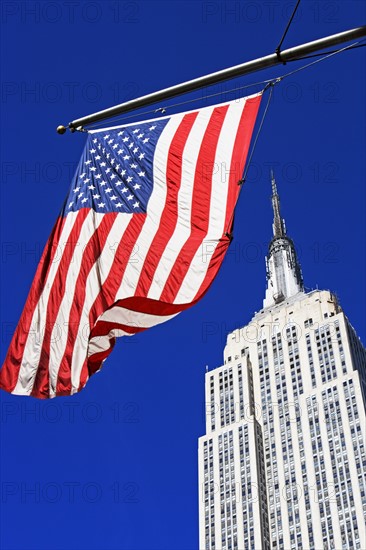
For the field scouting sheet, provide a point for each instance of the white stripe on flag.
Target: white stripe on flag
(128, 317)
(96, 279)
(33, 347)
(154, 210)
(102, 343)
(219, 193)
(182, 230)
(60, 329)
(132, 318)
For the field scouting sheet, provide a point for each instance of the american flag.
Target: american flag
(141, 236)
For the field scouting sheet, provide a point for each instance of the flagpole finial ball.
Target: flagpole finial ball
(61, 129)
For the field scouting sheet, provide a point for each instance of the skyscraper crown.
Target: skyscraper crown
(284, 277)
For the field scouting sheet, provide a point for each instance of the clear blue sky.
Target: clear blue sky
(115, 467)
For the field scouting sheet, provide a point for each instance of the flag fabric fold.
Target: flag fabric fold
(141, 236)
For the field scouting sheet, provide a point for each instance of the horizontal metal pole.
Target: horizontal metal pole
(226, 74)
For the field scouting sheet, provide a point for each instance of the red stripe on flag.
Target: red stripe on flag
(94, 363)
(91, 254)
(240, 152)
(10, 370)
(84, 375)
(124, 254)
(200, 204)
(102, 328)
(169, 217)
(54, 301)
(108, 291)
(153, 307)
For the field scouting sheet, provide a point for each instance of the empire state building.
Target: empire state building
(283, 462)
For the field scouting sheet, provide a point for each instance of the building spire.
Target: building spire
(279, 229)
(284, 277)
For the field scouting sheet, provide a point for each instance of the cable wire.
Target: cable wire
(319, 54)
(278, 49)
(93, 126)
(230, 224)
(330, 54)
(270, 87)
(267, 82)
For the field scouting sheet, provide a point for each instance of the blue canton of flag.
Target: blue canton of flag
(115, 174)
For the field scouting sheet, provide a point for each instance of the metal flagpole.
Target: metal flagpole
(271, 60)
